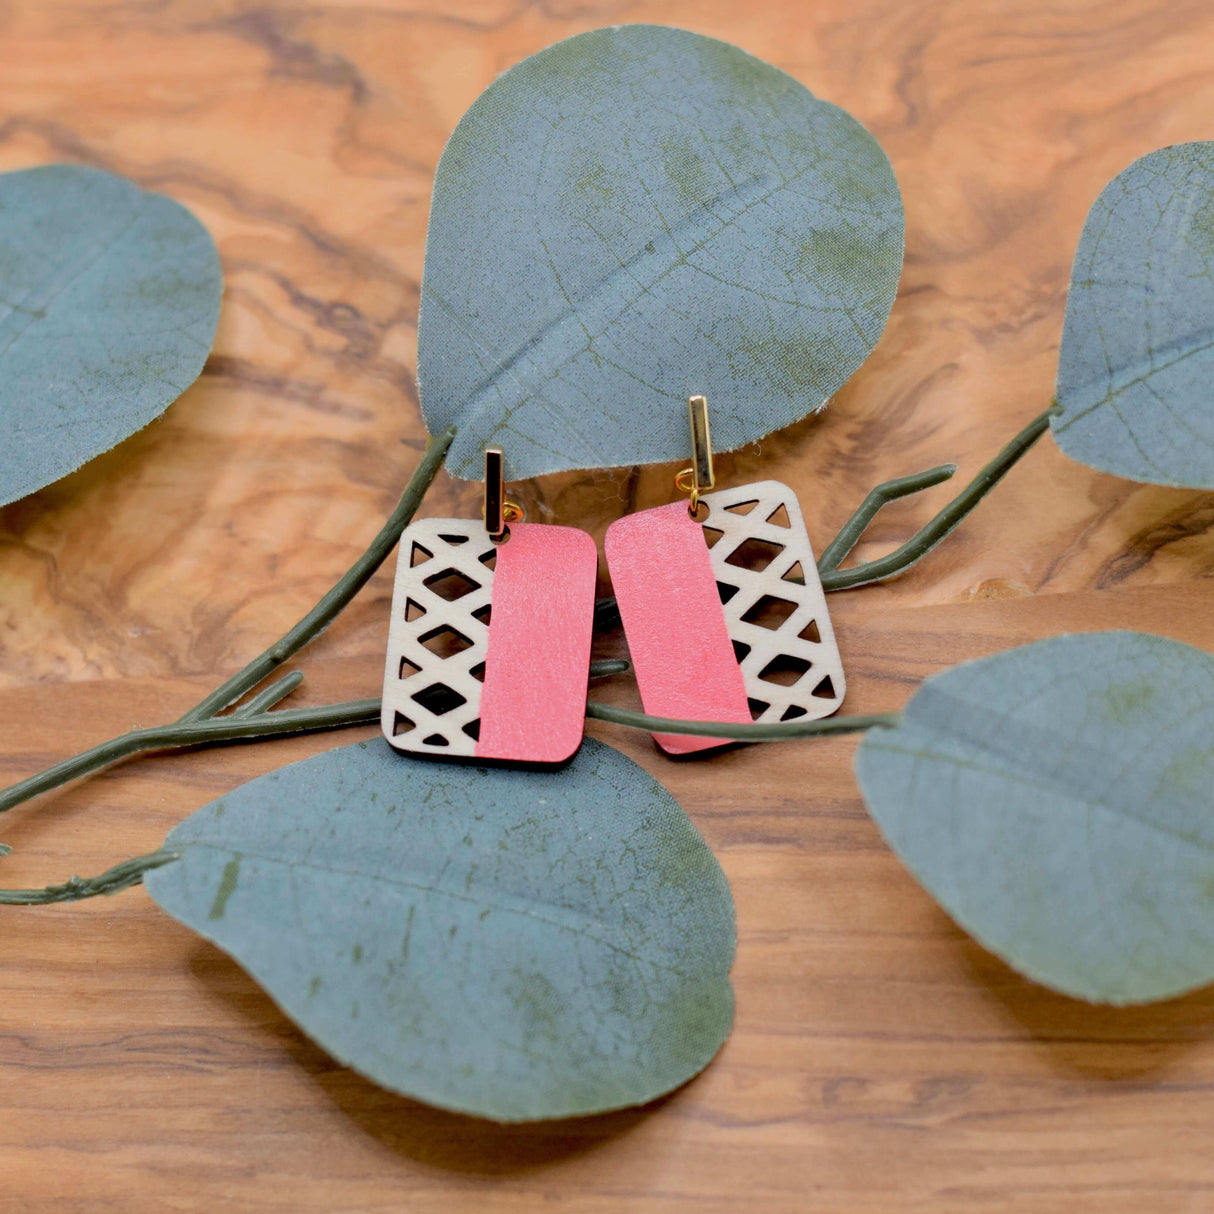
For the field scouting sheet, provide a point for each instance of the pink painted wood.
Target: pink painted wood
(667, 594)
(537, 665)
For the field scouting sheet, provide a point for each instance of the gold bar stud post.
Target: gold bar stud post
(495, 493)
(701, 444)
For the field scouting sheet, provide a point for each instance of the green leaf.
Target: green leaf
(1057, 801)
(512, 944)
(1137, 360)
(636, 215)
(109, 298)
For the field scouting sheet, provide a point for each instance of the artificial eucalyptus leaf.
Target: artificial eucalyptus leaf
(109, 298)
(1137, 355)
(512, 944)
(636, 215)
(1058, 801)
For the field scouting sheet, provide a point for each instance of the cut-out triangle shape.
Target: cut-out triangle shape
(779, 517)
(825, 689)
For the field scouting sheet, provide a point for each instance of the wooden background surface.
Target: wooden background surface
(880, 1061)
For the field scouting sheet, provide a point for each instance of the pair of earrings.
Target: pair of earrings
(722, 606)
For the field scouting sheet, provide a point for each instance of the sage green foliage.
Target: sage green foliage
(109, 299)
(1057, 801)
(635, 215)
(513, 944)
(1137, 360)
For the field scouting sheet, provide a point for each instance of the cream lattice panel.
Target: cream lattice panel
(781, 630)
(438, 637)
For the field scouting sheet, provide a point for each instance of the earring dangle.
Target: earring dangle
(489, 641)
(722, 605)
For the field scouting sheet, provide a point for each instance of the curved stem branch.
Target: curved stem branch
(781, 732)
(112, 881)
(277, 691)
(179, 734)
(927, 537)
(835, 553)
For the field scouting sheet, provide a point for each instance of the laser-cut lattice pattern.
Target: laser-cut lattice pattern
(438, 637)
(781, 629)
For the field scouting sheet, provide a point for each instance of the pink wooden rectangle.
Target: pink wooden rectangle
(537, 664)
(677, 636)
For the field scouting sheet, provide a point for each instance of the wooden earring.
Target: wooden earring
(489, 641)
(722, 605)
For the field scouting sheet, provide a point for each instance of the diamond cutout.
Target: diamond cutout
(439, 699)
(770, 612)
(754, 554)
(784, 669)
(450, 584)
(444, 641)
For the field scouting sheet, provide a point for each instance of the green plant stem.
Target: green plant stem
(928, 536)
(783, 731)
(277, 691)
(238, 727)
(112, 881)
(835, 553)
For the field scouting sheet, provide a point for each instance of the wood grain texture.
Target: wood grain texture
(880, 1061)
